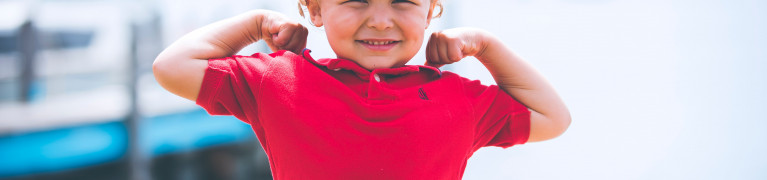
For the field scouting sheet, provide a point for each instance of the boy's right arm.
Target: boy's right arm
(180, 68)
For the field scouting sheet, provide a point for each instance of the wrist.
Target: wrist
(485, 44)
(255, 23)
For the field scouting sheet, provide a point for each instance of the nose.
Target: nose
(380, 17)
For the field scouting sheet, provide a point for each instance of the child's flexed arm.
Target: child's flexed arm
(549, 116)
(180, 68)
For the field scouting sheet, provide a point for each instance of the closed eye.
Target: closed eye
(362, 1)
(403, 1)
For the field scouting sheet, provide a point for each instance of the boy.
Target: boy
(364, 114)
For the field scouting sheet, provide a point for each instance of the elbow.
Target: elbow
(563, 123)
(157, 65)
(549, 127)
(553, 132)
(560, 124)
(157, 68)
(160, 69)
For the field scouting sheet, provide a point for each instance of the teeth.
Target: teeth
(378, 42)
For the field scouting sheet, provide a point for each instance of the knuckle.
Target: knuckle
(455, 58)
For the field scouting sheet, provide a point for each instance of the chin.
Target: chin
(375, 63)
(376, 66)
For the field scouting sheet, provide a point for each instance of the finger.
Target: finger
(274, 27)
(269, 31)
(304, 37)
(430, 51)
(430, 63)
(443, 48)
(297, 41)
(284, 36)
(269, 34)
(435, 61)
(270, 44)
(290, 40)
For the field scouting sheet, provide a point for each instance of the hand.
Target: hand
(281, 33)
(452, 45)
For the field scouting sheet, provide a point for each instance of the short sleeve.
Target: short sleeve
(230, 86)
(501, 120)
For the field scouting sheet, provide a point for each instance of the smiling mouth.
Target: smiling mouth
(377, 42)
(378, 45)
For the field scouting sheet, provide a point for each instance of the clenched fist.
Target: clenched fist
(452, 45)
(281, 33)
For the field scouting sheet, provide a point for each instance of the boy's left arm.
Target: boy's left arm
(549, 116)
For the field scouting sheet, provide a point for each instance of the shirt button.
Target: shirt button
(377, 78)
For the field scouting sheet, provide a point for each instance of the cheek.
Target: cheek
(413, 24)
(414, 30)
(340, 27)
(415, 17)
(341, 19)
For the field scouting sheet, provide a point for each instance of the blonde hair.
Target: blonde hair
(438, 3)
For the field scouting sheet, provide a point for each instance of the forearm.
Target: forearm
(220, 39)
(520, 80)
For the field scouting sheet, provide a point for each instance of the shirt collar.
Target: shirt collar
(344, 64)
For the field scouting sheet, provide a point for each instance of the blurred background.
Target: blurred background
(658, 89)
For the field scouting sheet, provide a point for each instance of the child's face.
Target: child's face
(375, 33)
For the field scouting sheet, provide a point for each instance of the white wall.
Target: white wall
(658, 89)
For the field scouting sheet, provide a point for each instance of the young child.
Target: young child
(364, 114)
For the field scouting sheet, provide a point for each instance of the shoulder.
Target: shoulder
(471, 88)
(279, 56)
(287, 60)
(257, 62)
(459, 80)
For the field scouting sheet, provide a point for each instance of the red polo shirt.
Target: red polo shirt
(333, 119)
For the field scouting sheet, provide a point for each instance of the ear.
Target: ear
(314, 12)
(429, 16)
